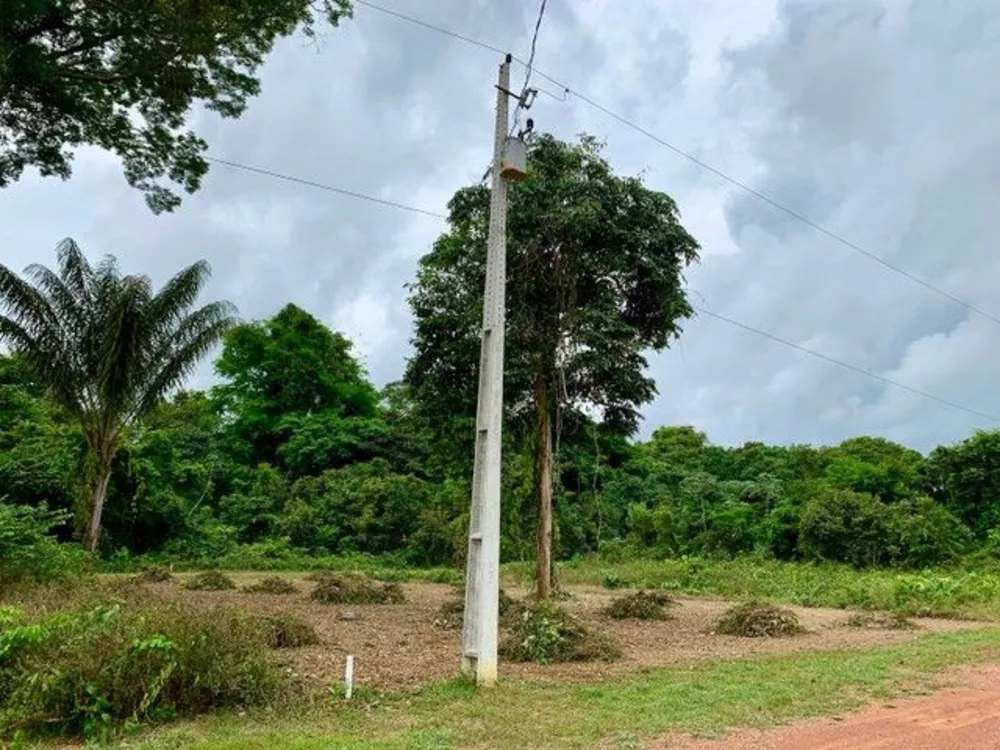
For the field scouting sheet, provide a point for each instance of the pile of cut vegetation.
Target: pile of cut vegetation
(642, 605)
(544, 632)
(271, 585)
(880, 621)
(354, 588)
(154, 574)
(288, 631)
(756, 619)
(451, 614)
(210, 580)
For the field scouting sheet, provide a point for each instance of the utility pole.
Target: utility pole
(482, 573)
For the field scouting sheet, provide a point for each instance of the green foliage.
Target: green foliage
(451, 615)
(271, 585)
(288, 631)
(107, 348)
(210, 580)
(641, 605)
(91, 672)
(354, 588)
(27, 552)
(755, 619)
(545, 633)
(612, 581)
(124, 76)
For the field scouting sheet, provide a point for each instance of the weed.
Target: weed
(612, 581)
(755, 619)
(287, 631)
(271, 585)
(642, 605)
(544, 633)
(210, 580)
(353, 588)
(880, 621)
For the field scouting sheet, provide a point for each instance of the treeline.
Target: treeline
(295, 452)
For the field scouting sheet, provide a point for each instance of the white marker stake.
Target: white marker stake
(349, 677)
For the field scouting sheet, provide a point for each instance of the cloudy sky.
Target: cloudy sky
(878, 119)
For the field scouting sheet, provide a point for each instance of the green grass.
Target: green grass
(705, 701)
(943, 593)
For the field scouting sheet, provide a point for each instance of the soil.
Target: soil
(398, 646)
(963, 717)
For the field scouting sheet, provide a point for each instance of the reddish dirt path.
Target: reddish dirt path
(965, 717)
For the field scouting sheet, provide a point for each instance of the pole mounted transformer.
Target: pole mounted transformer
(482, 573)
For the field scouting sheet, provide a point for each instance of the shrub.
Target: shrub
(612, 581)
(642, 605)
(880, 621)
(352, 588)
(89, 672)
(210, 580)
(545, 633)
(154, 574)
(271, 585)
(288, 631)
(27, 552)
(757, 620)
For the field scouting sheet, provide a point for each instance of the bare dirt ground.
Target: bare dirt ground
(398, 646)
(963, 717)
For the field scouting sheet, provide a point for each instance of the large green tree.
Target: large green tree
(106, 346)
(124, 74)
(595, 263)
(290, 378)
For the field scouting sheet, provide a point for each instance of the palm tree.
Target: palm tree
(106, 346)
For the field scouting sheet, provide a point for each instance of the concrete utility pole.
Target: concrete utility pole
(482, 573)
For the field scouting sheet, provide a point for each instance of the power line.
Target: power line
(846, 365)
(523, 102)
(704, 165)
(329, 188)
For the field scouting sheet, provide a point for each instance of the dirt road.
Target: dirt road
(965, 717)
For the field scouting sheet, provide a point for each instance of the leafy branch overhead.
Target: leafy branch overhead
(123, 75)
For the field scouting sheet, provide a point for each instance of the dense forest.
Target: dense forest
(295, 451)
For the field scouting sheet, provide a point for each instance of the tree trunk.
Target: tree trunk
(543, 490)
(97, 503)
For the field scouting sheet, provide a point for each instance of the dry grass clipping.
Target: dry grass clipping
(271, 585)
(154, 574)
(288, 631)
(210, 580)
(642, 605)
(880, 621)
(353, 588)
(758, 620)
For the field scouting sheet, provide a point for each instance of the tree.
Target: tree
(965, 478)
(106, 346)
(595, 266)
(287, 375)
(123, 76)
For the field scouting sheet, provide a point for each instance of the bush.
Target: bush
(154, 574)
(288, 631)
(210, 580)
(27, 552)
(271, 585)
(545, 633)
(757, 620)
(352, 588)
(91, 671)
(642, 605)
(880, 621)
(612, 581)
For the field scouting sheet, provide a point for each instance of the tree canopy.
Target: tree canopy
(124, 75)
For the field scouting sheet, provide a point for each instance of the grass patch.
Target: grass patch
(353, 588)
(642, 605)
(705, 700)
(288, 631)
(271, 585)
(755, 619)
(544, 633)
(940, 592)
(210, 580)
(880, 621)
